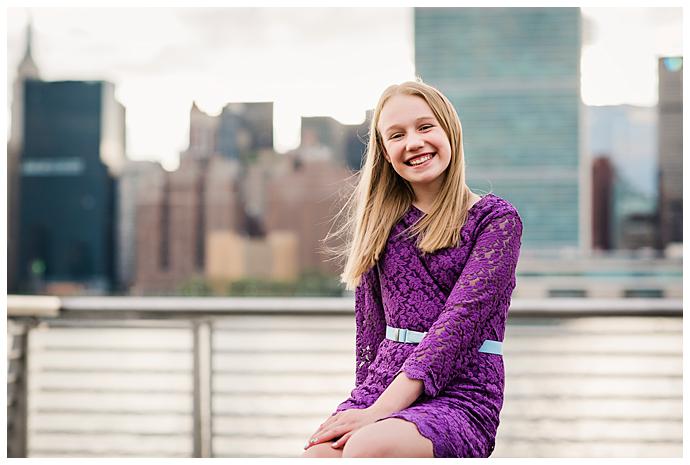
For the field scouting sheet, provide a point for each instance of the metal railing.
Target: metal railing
(200, 315)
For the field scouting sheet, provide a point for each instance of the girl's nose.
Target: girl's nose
(414, 142)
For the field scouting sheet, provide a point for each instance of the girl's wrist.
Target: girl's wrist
(380, 410)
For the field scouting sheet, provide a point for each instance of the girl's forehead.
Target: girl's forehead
(403, 109)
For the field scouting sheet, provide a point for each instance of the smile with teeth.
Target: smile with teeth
(419, 160)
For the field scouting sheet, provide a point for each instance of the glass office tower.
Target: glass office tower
(74, 144)
(513, 75)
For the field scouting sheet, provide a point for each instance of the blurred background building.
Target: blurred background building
(235, 210)
(324, 137)
(513, 75)
(243, 127)
(625, 135)
(27, 69)
(136, 177)
(72, 150)
(670, 130)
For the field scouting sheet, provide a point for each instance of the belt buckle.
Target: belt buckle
(402, 337)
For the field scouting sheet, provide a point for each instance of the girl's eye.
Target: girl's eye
(426, 126)
(396, 135)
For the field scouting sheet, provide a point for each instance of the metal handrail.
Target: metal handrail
(186, 307)
(29, 311)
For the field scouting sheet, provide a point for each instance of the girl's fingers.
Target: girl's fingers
(326, 435)
(341, 442)
(317, 433)
(322, 433)
(322, 427)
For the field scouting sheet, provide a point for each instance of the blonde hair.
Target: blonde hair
(381, 196)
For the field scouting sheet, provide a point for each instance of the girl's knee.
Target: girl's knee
(392, 437)
(323, 450)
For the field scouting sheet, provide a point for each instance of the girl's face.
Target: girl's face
(414, 142)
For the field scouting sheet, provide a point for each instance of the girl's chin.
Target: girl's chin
(425, 179)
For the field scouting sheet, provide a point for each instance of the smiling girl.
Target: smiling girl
(433, 269)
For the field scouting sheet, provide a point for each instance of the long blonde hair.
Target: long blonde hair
(382, 196)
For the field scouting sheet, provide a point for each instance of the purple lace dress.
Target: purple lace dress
(459, 295)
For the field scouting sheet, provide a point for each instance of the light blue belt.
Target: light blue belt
(415, 337)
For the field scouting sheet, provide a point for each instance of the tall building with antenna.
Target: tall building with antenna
(27, 69)
(66, 149)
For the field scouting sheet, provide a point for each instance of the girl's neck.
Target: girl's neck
(425, 195)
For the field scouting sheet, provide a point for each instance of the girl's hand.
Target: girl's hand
(344, 424)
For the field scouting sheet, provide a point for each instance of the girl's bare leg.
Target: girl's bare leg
(392, 437)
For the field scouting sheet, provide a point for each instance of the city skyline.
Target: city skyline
(332, 72)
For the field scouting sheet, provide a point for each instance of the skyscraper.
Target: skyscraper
(136, 176)
(513, 75)
(602, 199)
(27, 69)
(73, 147)
(670, 150)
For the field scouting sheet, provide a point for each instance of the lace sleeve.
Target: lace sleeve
(370, 323)
(486, 282)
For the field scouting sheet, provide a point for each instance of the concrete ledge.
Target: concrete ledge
(33, 305)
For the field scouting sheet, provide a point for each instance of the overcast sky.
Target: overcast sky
(309, 62)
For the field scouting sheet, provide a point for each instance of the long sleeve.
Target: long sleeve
(370, 323)
(484, 286)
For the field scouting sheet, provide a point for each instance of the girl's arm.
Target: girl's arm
(370, 323)
(400, 394)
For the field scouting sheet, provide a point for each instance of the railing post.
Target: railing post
(17, 378)
(202, 389)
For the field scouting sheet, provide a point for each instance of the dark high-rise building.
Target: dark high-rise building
(513, 74)
(670, 150)
(74, 145)
(602, 199)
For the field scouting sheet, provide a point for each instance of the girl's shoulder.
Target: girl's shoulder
(489, 208)
(492, 205)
